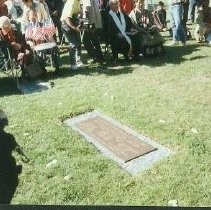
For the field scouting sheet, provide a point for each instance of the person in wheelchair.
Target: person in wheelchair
(150, 39)
(15, 42)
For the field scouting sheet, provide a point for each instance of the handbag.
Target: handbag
(34, 70)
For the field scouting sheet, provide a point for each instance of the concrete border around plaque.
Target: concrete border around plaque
(133, 166)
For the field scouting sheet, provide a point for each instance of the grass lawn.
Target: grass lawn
(167, 99)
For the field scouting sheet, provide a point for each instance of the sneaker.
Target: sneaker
(184, 44)
(79, 64)
(73, 67)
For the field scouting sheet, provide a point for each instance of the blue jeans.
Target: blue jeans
(179, 32)
(74, 40)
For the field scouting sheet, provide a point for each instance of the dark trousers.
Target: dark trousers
(185, 11)
(119, 45)
(74, 40)
(193, 5)
(58, 25)
(92, 45)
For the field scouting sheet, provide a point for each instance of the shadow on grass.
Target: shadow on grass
(173, 55)
(107, 68)
(8, 87)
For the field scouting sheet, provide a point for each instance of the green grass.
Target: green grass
(162, 98)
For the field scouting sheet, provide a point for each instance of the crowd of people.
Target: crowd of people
(129, 27)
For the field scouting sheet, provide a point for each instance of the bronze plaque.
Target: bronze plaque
(117, 140)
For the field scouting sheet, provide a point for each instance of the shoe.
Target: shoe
(73, 67)
(184, 44)
(174, 43)
(79, 64)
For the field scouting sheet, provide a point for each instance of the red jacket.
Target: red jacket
(126, 6)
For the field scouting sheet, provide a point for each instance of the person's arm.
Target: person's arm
(15, 147)
(70, 24)
(41, 12)
(59, 5)
(20, 152)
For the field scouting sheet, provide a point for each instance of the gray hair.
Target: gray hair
(112, 2)
(4, 21)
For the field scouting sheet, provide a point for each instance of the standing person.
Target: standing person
(9, 171)
(92, 30)
(71, 27)
(185, 11)
(192, 9)
(126, 6)
(45, 7)
(55, 9)
(178, 28)
(3, 8)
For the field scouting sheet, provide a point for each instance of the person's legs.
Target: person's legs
(71, 37)
(88, 44)
(136, 43)
(192, 8)
(172, 19)
(185, 12)
(179, 33)
(97, 49)
(77, 43)
(59, 28)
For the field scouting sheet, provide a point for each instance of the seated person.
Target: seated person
(150, 39)
(15, 41)
(36, 6)
(121, 34)
(38, 32)
(203, 20)
(160, 17)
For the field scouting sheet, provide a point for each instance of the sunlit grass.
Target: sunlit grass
(167, 99)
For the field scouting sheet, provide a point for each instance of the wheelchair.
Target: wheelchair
(9, 65)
